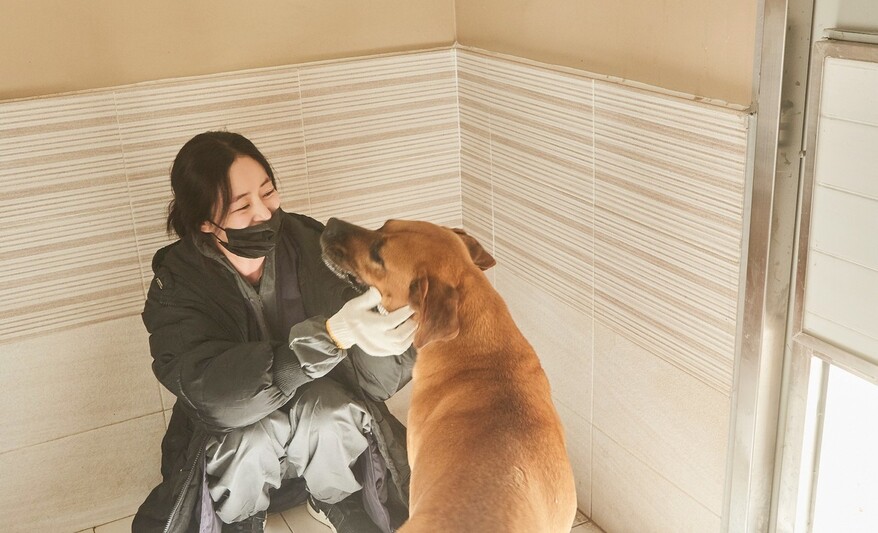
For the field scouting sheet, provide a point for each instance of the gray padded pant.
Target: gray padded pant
(320, 440)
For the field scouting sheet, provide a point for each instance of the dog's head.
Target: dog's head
(409, 262)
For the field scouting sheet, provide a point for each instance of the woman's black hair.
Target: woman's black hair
(200, 178)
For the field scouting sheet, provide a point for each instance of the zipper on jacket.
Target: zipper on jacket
(179, 501)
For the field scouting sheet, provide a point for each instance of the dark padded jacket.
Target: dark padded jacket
(208, 351)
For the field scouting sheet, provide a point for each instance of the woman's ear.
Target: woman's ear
(435, 304)
(480, 257)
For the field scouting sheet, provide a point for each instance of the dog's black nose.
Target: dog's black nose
(337, 229)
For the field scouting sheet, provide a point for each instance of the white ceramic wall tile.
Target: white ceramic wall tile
(842, 94)
(669, 192)
(475, 156)
(840, 305)
(562, 338)
(477, 192)
(92, 478)
(579, 449)
(846, 157)
(68, 240)
(631, 497)
(561, 335)
(549, 111)
(156, 119)
(382, 138)
(75, 380)
(666, 418)
(541, 171)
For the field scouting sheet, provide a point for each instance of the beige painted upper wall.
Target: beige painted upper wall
(51, 46)
(699, 47)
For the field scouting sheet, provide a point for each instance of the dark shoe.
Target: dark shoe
(346, 516)
(254, 524)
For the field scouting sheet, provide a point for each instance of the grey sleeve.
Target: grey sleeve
(314, 348)
(382, 377)
(379, 377)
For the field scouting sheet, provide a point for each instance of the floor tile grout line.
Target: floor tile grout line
(55, 439)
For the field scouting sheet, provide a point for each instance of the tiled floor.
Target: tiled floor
(297, 520)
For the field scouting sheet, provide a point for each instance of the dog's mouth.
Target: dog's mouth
(352, 279)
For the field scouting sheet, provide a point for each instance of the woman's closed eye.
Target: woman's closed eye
(247, 206)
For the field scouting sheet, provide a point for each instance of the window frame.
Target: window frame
(801, 442)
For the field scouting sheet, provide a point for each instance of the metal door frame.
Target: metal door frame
(771, 197)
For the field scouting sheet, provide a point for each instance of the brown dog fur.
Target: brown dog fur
(485, 443)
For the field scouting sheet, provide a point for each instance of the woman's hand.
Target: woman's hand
(376, 334)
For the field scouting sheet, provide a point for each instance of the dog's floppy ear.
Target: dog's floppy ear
(436, 305)
(481, 258)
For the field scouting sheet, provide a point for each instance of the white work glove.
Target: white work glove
(377, 334)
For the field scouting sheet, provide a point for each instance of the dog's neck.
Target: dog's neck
(488, 336)
(483, 315)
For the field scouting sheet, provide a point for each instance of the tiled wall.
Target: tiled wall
(616, 216)
(84, 196)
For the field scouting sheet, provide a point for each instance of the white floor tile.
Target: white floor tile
(297, 520)
(301, 522)
(276, 524)
(588, 527)
(119, 526)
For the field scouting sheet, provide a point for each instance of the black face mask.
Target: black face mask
(254, 241)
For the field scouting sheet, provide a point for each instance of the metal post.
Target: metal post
(779, 85)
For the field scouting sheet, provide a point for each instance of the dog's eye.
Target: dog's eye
(375, 252)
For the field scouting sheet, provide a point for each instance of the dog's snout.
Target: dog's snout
(332, 230)
(337, 236)
(337, 230)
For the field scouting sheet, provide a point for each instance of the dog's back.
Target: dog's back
(485, 442)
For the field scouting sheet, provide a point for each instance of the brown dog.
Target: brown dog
(485, 444)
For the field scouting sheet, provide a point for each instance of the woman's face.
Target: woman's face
(253, 197)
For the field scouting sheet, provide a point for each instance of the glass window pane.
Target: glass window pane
(847, 480)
